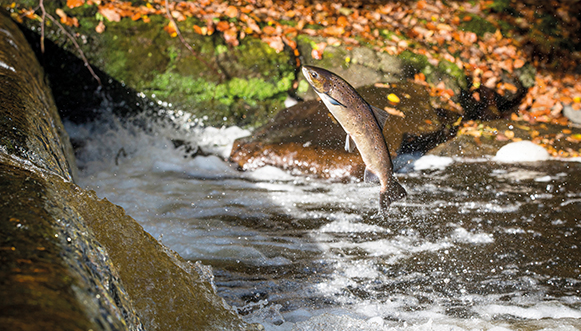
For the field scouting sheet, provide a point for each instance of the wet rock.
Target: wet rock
(70, 261)
(307, 140)
(486, 104)
(55, 275)
(494, 136)
(28, 125)
(304, 139)
(572, 114)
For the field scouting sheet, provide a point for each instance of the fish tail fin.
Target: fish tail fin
(392, 193)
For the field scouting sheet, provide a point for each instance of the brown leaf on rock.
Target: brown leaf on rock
(100, 28)
(222, 26)
(231, 37)
(110, 13)
(231, 11)
(171, 29)
(275, 42)
(75, 3)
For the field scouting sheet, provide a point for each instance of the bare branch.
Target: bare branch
(73, 39)
(41, 5)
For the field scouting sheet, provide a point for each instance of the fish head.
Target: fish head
(320, 79)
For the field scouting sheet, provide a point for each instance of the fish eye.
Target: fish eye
(314, 74)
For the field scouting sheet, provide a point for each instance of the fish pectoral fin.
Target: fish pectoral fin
(349, 144)
(332, 101)
(370, 177)
(380, 115)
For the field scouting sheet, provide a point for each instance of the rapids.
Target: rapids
(476, 244)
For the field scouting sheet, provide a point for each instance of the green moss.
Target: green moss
(303, 86)
(417, 61)
(477, 25)
(454, 71)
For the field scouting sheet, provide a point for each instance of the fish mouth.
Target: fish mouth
(309, 73)
(306, 74)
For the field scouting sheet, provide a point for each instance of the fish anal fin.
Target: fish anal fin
(349, 144)
(370, 177)
(380, 115)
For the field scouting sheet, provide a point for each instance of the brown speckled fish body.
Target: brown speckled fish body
(362, 125)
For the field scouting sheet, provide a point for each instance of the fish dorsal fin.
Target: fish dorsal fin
(380, 115)
(349, 144)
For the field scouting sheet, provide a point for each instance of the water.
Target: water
(476, 244)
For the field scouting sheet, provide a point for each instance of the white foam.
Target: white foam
(538, 311)
(219, 141)
(521, 151)
(345, 226)
(429, 162)
(462, 235)
(268, 173)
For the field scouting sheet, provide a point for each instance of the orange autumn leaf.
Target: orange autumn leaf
(342, 21)
(393, 111)
(274, 42)
(222, 26)
(100, 28)
(393, 98)
(317, 54)
(171, 29)
(269, 30)
(231, 11)
(231, 37)
(518, 63)
(198, 30)
(334, 30)
(75, 3)
(110, 14)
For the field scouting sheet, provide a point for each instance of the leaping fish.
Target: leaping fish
(364, 126)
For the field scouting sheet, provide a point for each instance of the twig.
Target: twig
(41, 5)
(71, 38)
(168, 14)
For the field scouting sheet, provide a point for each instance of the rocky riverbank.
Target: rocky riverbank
(69, 259)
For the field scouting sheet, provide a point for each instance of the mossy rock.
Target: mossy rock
(244, 84)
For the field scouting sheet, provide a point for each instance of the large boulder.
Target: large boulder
(71, 261)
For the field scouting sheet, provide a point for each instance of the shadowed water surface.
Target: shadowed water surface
(474, 245)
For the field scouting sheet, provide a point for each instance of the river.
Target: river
(475, 245)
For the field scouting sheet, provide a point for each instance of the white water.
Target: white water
(315, 256)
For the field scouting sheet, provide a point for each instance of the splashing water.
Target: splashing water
(476, 245)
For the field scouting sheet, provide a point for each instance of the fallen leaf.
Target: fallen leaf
(171, 29)
(100, 27)
(61, 13)
(275, 42)
(334, 30)
(231, 37)
(110, 14)
(518, 63)
(393, 98)
(231, 11)
(395, 112)
(222, 26)
(75, 3)
(382, 85)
